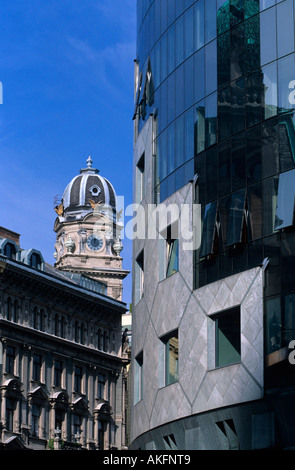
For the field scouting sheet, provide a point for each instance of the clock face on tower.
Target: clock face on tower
(94, 242)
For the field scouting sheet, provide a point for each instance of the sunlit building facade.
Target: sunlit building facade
(214, 130)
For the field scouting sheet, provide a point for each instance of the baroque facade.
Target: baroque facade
(214, 172)
(88, 231)
(62, 365)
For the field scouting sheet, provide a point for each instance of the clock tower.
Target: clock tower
(88, 229)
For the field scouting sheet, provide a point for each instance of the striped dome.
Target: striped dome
(86, 189)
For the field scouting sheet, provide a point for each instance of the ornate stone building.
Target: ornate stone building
(88, 231)
(62, 366)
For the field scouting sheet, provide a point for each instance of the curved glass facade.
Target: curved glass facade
(220, 78)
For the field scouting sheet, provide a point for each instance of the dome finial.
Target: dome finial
(89, 162)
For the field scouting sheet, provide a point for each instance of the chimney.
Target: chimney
(5, 233)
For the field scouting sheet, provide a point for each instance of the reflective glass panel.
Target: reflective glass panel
(289, 319)
(189, 32)
(171, 148)
(253, 153)
(171, 92)
(273, 325)
(162, 156)
(223, 16)
(171, 48)
(237, 45)
(164, 57)
(179, 41)
(286, 77)
(199, 66)
(285, 201)
(236, 217)
(199, 24)
(238, 161)
(189, 134)
(209, 228)
(251, 8)
(236, 12)
(268, 38)
(238, 105)
(224, 168)
(266, 4)
(223, 58)
(211, 119)
(252, 44)
(270, 192)
(255, 209)
(179, 136)
(200, 127)
(179, 80)
(270, 148)
(211, 173)
(189, 82)
(253, 98)
(211, 67)
(270, 86)
(285, 27)
(287, 141)
(210, 20)
(224, 113)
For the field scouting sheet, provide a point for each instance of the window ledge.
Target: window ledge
(226, 365)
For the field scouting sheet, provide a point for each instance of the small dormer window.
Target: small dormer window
(95, 190)
(35, 261)
(10, 251)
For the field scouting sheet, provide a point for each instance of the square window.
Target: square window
(228, 337)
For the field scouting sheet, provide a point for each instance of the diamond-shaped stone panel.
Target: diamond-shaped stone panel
(169, 304)
(140, 421)
(150, 369)
(171, 404)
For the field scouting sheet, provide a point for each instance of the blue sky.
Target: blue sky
(66, 68)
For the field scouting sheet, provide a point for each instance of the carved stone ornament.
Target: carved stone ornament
(70, 245)
(118, 246)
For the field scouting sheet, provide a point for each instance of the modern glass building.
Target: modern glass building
(214, 129)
